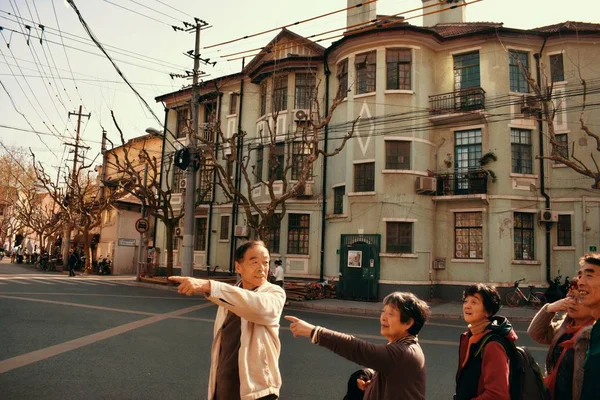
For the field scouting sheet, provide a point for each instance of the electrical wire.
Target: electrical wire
(136, 12)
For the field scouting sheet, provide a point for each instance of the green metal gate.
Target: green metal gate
(359, 265)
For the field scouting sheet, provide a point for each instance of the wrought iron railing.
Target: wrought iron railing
(458, 101)
(462, 182)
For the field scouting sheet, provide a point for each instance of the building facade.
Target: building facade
(444, 181)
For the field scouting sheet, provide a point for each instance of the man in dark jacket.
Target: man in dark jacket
(589, 290)
(72, 262)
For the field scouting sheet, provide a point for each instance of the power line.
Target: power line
(41, 133)
(173, 8)
(135, 12)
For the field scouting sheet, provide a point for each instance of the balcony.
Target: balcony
(466, 104)
(459, 183)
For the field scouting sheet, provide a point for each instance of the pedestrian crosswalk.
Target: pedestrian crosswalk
(55, 281)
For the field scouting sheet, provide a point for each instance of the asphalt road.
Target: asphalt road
(82, 338)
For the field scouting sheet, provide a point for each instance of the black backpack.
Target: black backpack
(525, 380)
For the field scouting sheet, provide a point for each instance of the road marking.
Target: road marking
(85, 283)
(64, 282)
(41, 281)
(103, 283)
(20, 282)
(39, 355)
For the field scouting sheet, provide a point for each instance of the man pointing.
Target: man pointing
(245, 350)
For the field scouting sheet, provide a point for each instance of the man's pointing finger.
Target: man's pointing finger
(291, 318)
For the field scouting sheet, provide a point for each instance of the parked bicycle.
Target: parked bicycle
(514, 297)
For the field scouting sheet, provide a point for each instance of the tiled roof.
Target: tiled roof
(569, 26)
(463, 28)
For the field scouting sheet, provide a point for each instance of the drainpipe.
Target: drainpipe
(324, 177)
(160, 175)
(212, 198)
(238, 175)
(537, 57)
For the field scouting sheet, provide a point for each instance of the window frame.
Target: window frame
(521, 152)
(260, 156)
(233, 100)
(564, 144)
(298, 235)
(300, 151)
(277, 172)
(463, 66)
(342, 76)
(273, 239)
(263, 98)
(224, 227)
(564, 234)
(199, 237)
(557, 67)
(394, 149)
(280, 92)
(398, 68)
(182, 128)
(519, 239)
(364, 180)
(474, 230)
(338, 199)
(305, 89)
(390, 235)
(366, 72)
(518, 83)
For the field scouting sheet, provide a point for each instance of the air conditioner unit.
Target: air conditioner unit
(240, 231)
(530, 104)
(439, 263)
(182, 183)
(425, 184)
(307, 190)
(548, 216)
(178, 231)
(300, 115)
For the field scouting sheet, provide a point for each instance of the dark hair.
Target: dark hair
(240, 252)
(410, 306)
(278, 262)
(489, 294)
(574, 284)
(590, 258)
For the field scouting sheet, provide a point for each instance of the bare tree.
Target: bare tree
(34, 214)
(129, 168)
(310, 139)
(550, 104)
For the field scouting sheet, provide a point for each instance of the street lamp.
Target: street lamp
(154, 131)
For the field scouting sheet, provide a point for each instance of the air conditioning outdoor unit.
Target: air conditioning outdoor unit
(425, 184)
(300, 115)
(182, 183)
(307, 190)
(530, 104)
(240, 231)
(548, 216)
(178, 231)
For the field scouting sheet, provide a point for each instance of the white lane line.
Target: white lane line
(99, 282)
(19, 281)
(39, 355)
(83, 282)
(2, 283)
(43, 282)
(64, 282)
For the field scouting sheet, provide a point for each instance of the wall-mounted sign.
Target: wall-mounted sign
(354, 258)
(127, 242)
(593, 248)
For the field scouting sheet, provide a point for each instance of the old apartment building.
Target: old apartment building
(443, 182)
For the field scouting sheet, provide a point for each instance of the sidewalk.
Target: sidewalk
(443, 310)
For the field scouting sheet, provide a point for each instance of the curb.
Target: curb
(314, 305)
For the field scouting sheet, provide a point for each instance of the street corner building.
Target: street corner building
(438, 139)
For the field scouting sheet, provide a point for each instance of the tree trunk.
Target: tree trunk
(41, 242)
(169, 249)
(87, 250)
(66, 242)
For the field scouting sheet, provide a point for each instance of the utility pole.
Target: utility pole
(187, 256)
(67, 228)
(142, 244)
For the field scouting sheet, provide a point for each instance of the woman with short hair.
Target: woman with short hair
(483, 365)
(399, 365)
(569, 338)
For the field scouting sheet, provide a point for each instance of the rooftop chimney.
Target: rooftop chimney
(442, 12)
(360, 15)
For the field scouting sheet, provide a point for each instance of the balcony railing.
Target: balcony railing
(462, 182)
(458, 101)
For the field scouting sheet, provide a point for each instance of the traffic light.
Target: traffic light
(182, 158)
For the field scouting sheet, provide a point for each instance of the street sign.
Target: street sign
(593, 248)
(141, 225)
(127, 242)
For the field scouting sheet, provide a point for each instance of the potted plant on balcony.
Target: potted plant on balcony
(483, 162)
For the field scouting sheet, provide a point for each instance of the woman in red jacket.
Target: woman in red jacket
(483, 366)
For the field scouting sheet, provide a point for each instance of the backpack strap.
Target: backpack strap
(508, 345)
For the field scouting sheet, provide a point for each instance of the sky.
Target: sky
(46, 75)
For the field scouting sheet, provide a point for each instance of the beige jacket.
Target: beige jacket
(544, 330)
(258, 359)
